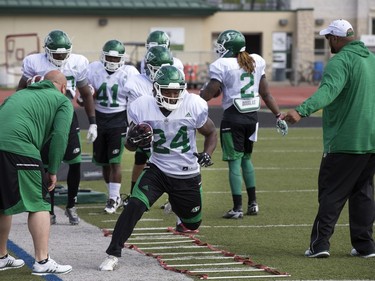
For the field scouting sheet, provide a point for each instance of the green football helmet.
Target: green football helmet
(158, 38)
(169, 78)
(113, 55)
(155, 57)
(230, 43)
(58, 47)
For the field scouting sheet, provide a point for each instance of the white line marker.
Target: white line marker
(198, 258)
(251, 276)
(240, 269)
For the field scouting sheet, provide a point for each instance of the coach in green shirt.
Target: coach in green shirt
(347, 96)
(28, 119)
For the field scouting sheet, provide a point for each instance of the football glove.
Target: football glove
(282, 127)
(140, 135)
(204, 159)
(92, 133)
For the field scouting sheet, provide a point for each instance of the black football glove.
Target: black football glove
(204, 159)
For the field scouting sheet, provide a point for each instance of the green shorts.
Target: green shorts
(22, 186)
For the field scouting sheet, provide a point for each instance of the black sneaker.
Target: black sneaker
(355, 253)
(318, 255)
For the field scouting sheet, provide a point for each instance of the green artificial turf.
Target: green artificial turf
(286, 180)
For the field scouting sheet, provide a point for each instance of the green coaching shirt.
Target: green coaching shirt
(347, 96)
(30, 117)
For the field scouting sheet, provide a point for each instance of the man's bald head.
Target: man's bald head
(58, 79)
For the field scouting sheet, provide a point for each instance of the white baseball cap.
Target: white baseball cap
(341, 28)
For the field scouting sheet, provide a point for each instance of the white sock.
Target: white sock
(114, 190)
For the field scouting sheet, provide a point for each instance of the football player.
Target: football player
(142, 84)
(108, 77)
(241, 78)
(160, 38)
(174, 165)
(58, 55)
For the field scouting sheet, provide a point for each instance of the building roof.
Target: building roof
(172, 8)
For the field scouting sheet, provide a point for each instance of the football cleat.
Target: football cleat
(252, 209)
(112, 205)
(233, 214)
(109, 264)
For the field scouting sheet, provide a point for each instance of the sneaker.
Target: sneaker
(354, 253)
(232, 214)
(252, 209)
(52, 219)
(109, 264)
(71, 213)
(112, 205)
(319, 255)
(183, 229)
(50, 267)
(8, 262)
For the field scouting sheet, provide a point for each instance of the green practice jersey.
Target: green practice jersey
(30, 117)
(347, 96)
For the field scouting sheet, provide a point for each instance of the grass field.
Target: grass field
(286, 172)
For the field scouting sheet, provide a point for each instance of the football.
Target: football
(34, 79)
(141, 134)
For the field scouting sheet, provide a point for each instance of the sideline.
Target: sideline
(83, 247)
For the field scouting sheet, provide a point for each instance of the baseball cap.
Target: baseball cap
(341, 28)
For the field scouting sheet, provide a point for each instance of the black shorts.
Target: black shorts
(234, 139)
(22, 185)
(73, 150)
(109, 146)
(185, 194)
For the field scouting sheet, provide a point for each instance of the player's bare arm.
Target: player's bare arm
(211, 90)
(88, 100)
(208, 130)
(268, 99)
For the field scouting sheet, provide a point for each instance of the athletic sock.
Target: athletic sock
(251, 194)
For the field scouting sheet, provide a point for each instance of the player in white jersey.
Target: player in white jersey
(240, 78)
(58, 48)
(160, 38)
(140, 85)
(174, 166)
(108, 77)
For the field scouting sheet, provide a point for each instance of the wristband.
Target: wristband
(92, 120)
(278, 115)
